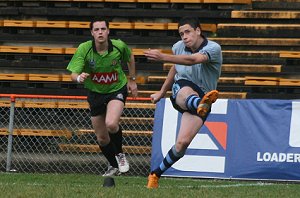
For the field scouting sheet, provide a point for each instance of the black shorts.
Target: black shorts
(98, 102)
(183, 83)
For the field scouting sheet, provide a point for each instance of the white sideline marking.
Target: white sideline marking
(228, 185)
(163, 186)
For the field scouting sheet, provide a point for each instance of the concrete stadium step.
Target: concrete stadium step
(265, 14)
(257, 30)
(276, 4)
(38, 132)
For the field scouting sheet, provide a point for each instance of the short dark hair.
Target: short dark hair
(192, 21)
(97, 19)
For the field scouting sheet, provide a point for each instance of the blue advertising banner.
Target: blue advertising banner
(242, 139)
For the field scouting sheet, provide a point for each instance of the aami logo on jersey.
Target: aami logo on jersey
(104, 77)
(206, 152)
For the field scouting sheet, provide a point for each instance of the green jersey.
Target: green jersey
(106, 73)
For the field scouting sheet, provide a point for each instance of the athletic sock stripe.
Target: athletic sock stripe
(196, 102)
(192, 102)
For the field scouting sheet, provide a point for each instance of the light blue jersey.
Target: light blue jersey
(205, 75)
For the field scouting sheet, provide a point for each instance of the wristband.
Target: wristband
(78, 79)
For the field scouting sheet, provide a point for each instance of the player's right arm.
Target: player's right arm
(182, 59)
(77, 63)
(165, 87)
(79, 78)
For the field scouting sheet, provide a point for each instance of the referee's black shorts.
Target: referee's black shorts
(98, 102)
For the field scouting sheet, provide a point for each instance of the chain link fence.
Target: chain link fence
(54, 134)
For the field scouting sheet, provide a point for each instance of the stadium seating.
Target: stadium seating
(162, 1)
(290, 54)
(95, 148)
(76, 141)
(113, 25)
(37, 132)
(258, 38)
(78, 148)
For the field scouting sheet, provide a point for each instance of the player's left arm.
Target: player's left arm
(132, 86)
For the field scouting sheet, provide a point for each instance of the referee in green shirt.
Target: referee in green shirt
(98, 65)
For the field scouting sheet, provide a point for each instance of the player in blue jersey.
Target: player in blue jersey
(193, 80)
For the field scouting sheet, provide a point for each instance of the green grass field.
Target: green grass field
(21, 185)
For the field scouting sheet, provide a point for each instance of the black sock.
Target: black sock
(117, 139)
(109, 151)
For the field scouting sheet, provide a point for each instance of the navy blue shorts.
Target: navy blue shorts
(183, 83)
(98, 102)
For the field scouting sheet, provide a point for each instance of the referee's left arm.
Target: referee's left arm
(132, 86)
(131, 67)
